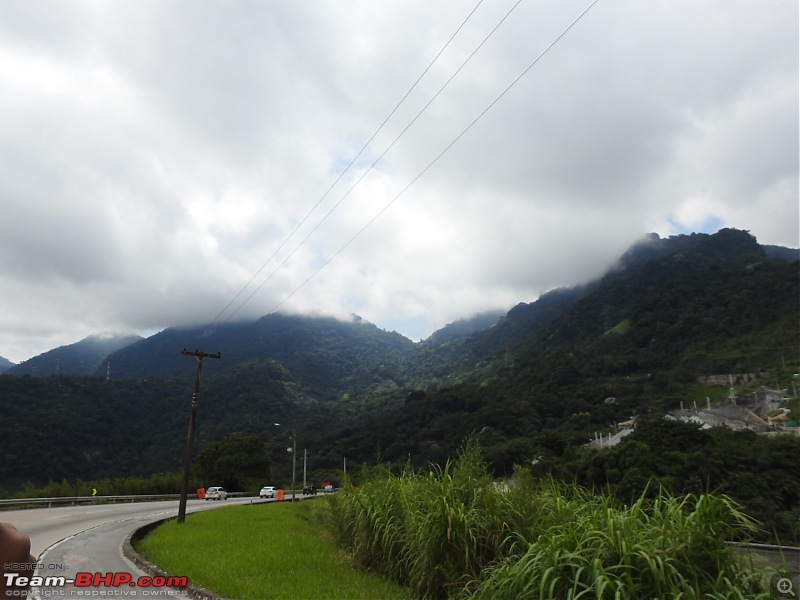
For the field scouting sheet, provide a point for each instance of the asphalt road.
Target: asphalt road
(88, 539)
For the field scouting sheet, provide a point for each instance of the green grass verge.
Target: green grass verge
(275, 550)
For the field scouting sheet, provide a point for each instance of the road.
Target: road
(88, 539)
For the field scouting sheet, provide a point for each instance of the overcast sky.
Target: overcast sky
(154, 155)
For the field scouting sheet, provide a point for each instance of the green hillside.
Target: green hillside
(642, 335)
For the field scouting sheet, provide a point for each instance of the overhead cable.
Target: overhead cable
(378, 159)
(336, 181)
(438, 156)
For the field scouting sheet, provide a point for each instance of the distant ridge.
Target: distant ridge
(288, 338)
(5, 364)
(81, 358)
(322, 349)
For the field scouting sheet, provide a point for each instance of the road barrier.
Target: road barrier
(75, 500)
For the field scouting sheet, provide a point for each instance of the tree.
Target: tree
(237, 463)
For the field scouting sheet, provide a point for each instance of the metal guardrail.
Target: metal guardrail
(772, 556)
(76, 500)
(771, 548)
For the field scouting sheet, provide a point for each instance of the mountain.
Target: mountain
(694, 289)
(464, 327)
(535, 382)
(5, 364)
(787, 254)
(81, 358)
(310, 374)
(539, 381)
(331, 356)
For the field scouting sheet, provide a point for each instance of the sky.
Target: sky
(168, 163)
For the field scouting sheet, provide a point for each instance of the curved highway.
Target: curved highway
(88, 539)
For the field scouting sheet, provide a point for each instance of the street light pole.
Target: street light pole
(187, 457)
(293, 450)
(294, 461)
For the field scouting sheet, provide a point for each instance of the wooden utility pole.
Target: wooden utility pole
(187, 458)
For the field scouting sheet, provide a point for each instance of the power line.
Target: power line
(336, 181)
(379, 158)
(438, 156)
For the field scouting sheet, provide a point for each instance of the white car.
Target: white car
(267, 492)
(216, 493)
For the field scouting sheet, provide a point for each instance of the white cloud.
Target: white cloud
(153, 155)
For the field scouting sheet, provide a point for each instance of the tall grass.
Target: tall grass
(450, 532)
(663, 548)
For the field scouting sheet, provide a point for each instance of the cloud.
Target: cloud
(153, 156)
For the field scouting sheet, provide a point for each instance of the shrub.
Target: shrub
(451, 532)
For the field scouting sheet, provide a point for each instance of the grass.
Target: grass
(696, 394)
(275, 550)
(663, 548)
(621, 328)
(450, 533)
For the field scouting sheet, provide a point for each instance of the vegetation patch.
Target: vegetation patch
(274, 550)
(620, 328)
(450, 532)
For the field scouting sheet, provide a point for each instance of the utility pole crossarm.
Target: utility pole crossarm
(199, 354)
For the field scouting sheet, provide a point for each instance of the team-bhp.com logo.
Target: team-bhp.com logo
(94, 580)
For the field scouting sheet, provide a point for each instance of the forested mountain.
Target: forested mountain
(538, 381)
(459, 329)
(5, 364)
(326, 356)
(81, 358)
(533, 383)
